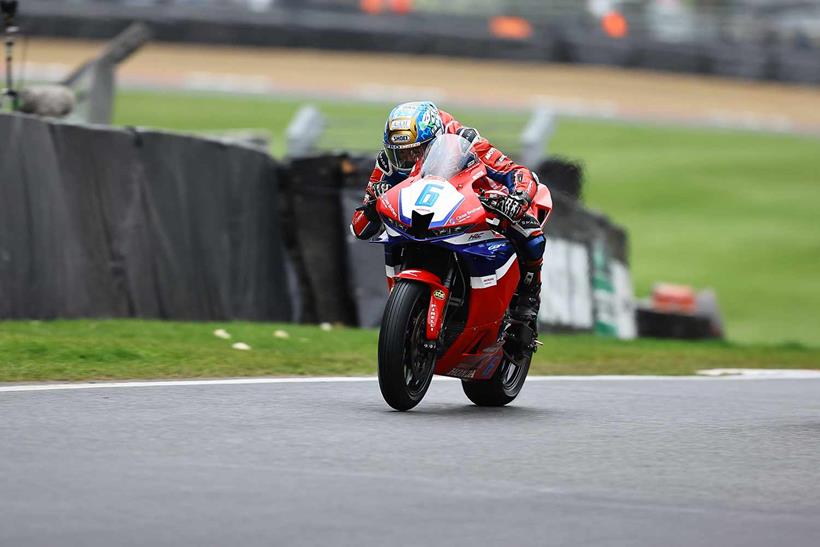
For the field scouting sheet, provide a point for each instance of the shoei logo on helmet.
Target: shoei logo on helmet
(398, 138)
(401, 124)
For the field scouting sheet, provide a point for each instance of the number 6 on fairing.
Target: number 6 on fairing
(429, 195)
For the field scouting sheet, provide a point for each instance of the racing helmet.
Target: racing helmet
(409, 129)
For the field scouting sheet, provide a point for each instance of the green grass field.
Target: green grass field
(123, 349)
(730, 210)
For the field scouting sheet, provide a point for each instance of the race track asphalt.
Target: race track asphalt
(628, 462)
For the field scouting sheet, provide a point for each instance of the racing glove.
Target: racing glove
(368, 207)
(376, 189)
(514, 206)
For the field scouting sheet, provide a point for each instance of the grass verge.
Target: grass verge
(132, 349)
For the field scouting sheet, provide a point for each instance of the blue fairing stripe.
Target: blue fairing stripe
(487, 257)
(482, 259)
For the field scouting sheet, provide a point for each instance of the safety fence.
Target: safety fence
(100, 222)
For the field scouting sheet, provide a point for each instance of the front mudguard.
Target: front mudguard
(439, 295)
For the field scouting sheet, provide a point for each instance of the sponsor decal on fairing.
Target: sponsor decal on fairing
(462, 373)
(465, 215)
(474, 237)
(491, 280)
(388, 205)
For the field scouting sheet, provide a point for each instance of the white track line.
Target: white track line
(9, 388)
(175, 383)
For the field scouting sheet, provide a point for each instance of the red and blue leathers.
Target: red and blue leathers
(526, 234)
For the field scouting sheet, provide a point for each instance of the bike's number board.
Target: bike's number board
(430, 195)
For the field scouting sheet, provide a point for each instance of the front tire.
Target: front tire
(405, 368)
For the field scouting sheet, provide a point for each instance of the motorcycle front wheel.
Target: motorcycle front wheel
(405, 367)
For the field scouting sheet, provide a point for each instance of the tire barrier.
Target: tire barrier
(565, 176)
(655, 324)
(678, 311)
(365, 261)
(561, 39)
(314, 226)
(100, 222)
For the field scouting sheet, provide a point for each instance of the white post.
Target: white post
(536, 135)
(304, 131)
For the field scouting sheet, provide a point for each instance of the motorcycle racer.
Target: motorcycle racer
(409, 130)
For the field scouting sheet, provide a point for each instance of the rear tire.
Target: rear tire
(405, 368)
(502, 388)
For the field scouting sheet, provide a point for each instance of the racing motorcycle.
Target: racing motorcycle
(450, 295)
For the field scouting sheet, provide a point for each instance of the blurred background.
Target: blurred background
(697, 123)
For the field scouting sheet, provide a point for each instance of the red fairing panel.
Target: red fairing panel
(489, 302)
(542, 205)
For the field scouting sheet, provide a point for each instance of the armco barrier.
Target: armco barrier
(99, 222)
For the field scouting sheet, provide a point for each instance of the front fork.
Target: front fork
(439, 295)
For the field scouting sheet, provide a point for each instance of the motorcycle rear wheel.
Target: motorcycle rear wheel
(405, 368)
(502, 388)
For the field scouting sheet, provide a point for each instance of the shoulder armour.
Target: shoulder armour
(382, 164)
(468, 133)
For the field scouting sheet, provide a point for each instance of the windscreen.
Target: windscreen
(447, 156)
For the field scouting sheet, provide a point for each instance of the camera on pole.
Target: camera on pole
(55, 101)
(8, 10)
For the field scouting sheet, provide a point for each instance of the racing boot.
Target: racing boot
(529, 292)
(523, 331)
